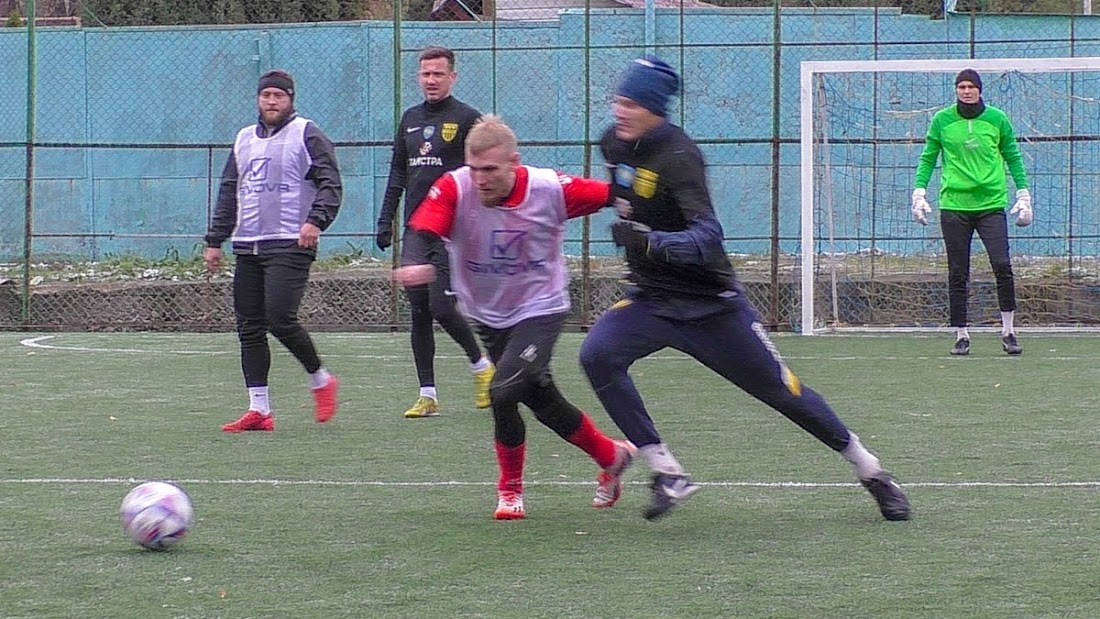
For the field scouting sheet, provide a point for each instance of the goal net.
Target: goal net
(865, 263)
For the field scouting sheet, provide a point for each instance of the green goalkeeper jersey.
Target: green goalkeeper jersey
(975, 152)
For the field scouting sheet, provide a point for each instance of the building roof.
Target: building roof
(550, 9)
(668, 4)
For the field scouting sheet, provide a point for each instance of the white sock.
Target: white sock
(429, 392)
(962, 334)
(661, 460)
(1007, 328)
(481, 365)
(257, 400)
(867, 465)
(319, 378)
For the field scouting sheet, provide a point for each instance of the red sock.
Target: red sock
(594, 443)
(510, 460)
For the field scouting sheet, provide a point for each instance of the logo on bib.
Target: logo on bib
(257, 168)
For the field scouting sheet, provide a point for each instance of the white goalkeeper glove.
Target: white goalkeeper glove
(921, 209)
(1022, 209)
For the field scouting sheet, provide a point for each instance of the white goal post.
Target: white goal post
(811, 79)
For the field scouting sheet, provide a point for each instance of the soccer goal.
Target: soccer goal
(865, 263)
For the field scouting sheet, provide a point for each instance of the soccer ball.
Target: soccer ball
(156, 514)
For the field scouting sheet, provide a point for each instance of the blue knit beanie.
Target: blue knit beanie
(650, 82)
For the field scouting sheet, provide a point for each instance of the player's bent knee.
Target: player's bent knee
(599, 356)
(285, 328)
(251, 332)
(420, 310)
(503, 398)
(507, 391)
(590, 354)
(443, 308)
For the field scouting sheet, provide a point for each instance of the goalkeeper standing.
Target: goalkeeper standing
(429, 143)
(685, 296)
(977, 142)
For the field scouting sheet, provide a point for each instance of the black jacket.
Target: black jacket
(430, 142)
(663, 177)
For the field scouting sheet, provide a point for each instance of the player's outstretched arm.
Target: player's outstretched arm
(584, 196)
(416, 269)
(414, 275)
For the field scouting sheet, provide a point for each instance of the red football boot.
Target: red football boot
(324, 400)
(250, 422)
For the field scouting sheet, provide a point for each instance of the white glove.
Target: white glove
(1022, 209)
(921, 209)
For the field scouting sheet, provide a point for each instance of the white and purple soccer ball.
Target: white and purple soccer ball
(156, 514)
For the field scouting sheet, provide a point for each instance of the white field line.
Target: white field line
(43, 343)
(454, 483)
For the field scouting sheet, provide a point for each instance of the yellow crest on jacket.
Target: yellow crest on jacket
(645, 183)
(450, 130)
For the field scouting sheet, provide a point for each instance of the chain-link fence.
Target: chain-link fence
(120, 131)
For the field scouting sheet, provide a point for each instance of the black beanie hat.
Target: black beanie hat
(969, 75)
(277, 79)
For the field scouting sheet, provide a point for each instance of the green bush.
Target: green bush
(15, 20)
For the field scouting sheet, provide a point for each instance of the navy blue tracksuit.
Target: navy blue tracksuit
(685, 296)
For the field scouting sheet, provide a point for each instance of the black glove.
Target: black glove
(632, 235)
(384, 236)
